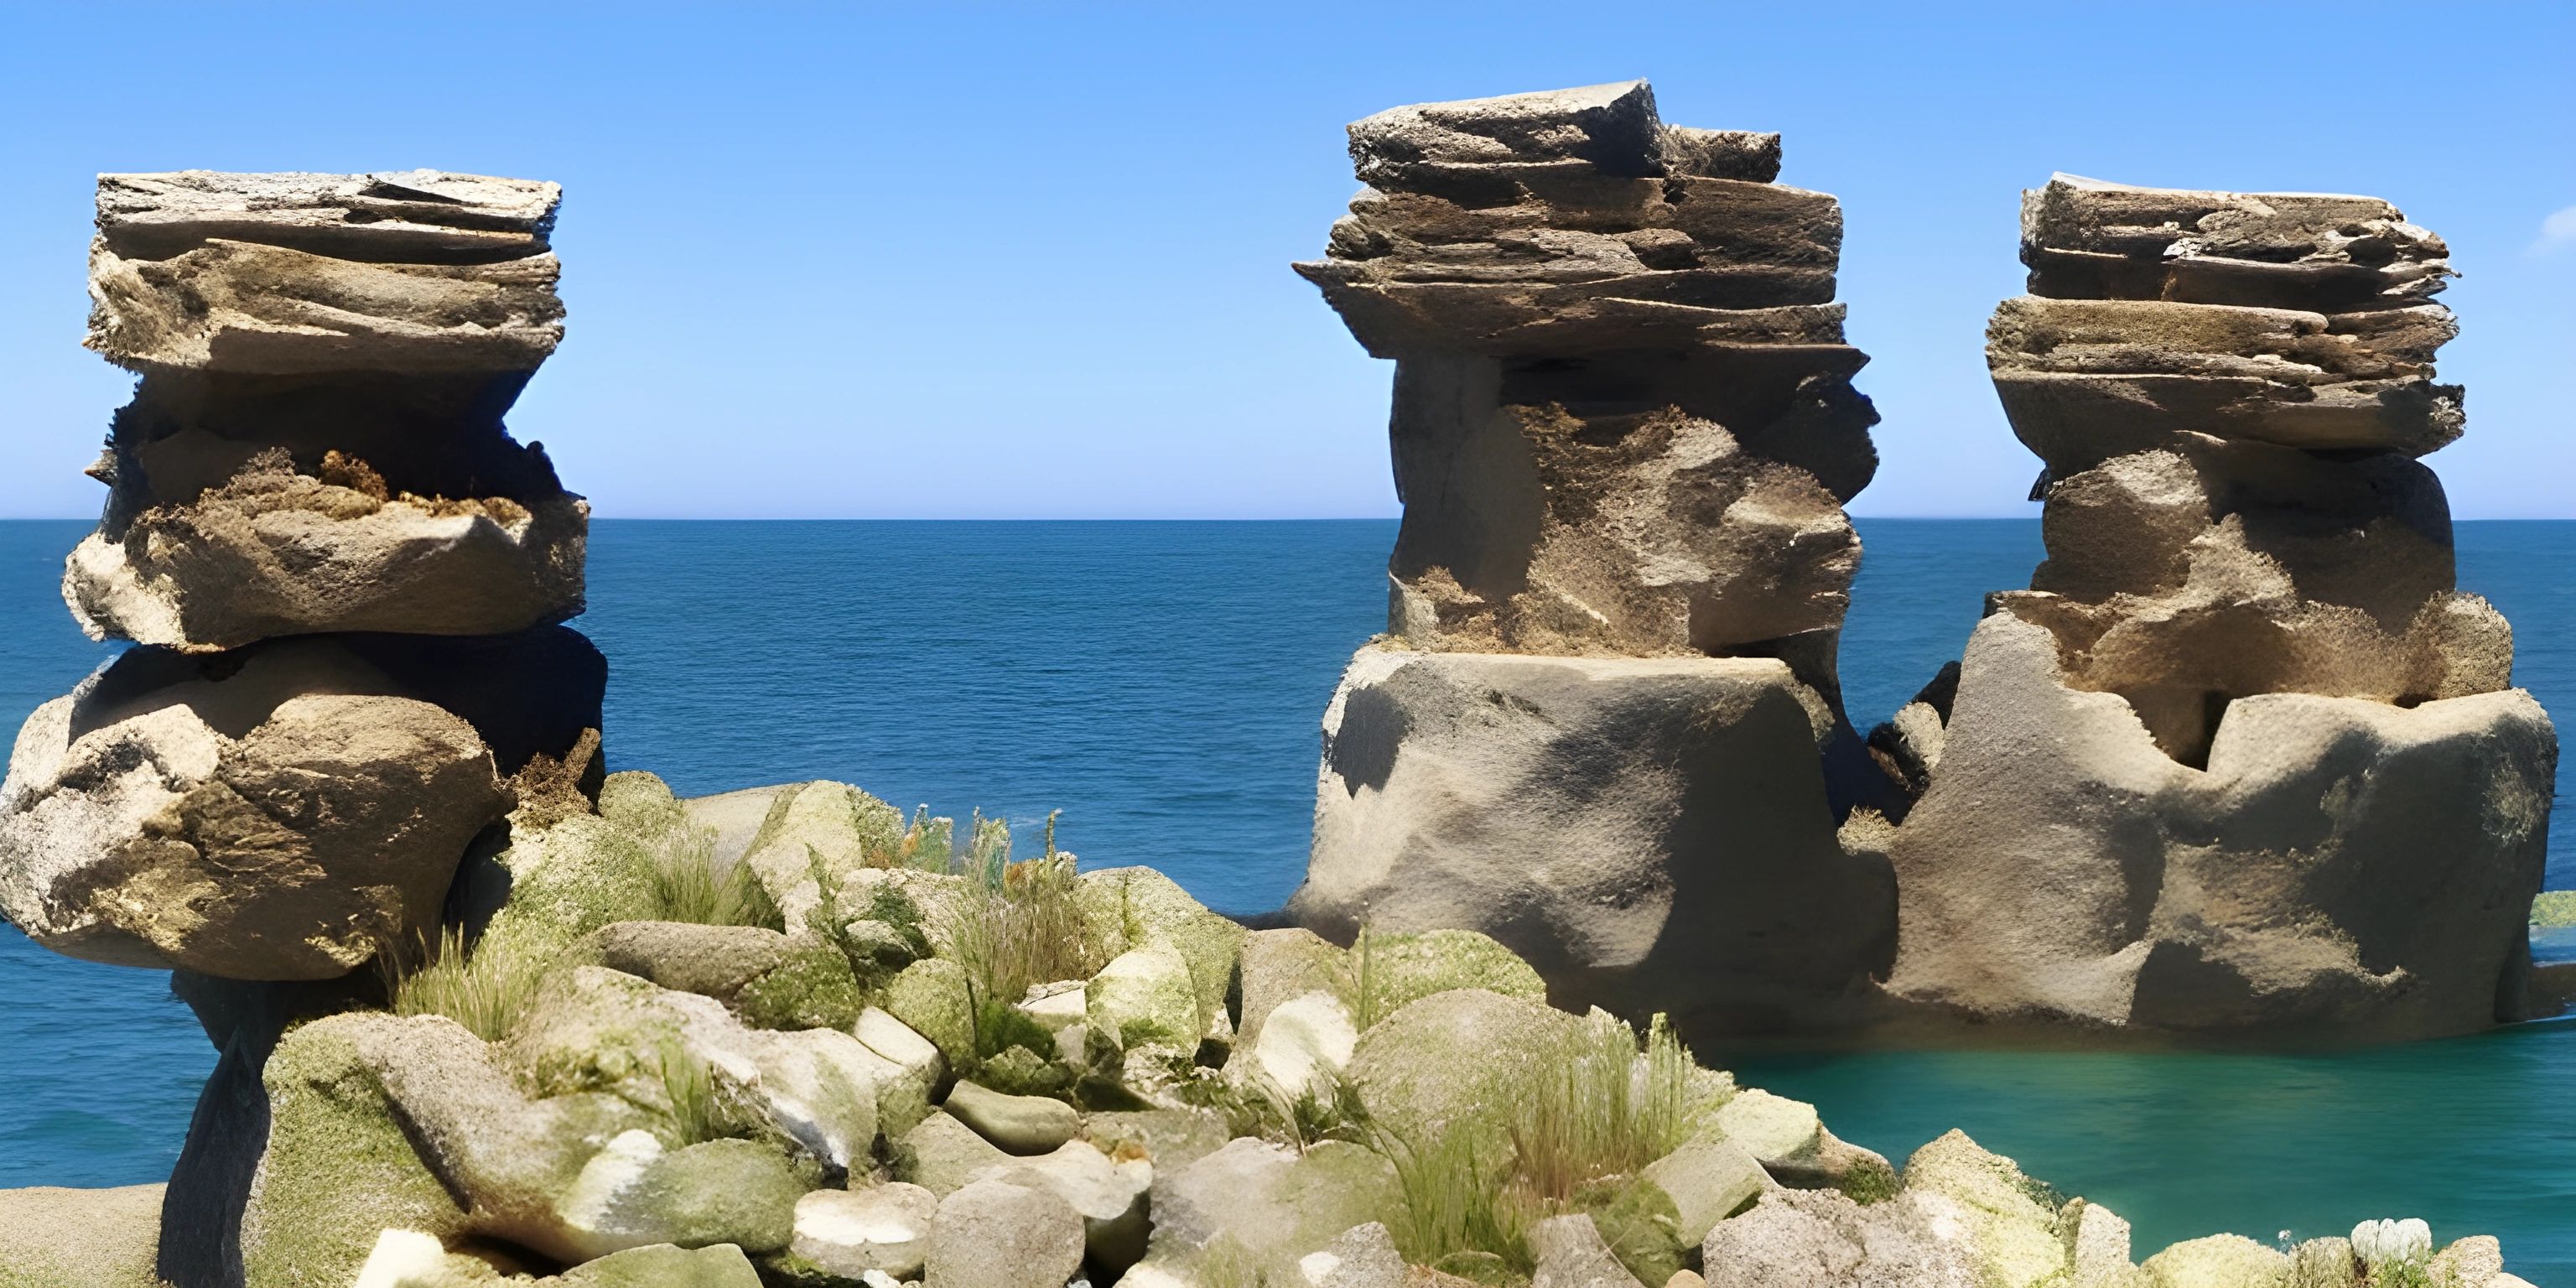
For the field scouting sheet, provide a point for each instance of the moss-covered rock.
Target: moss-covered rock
(1277, 1204)
(2554, 910)
(640, 802)
(811, 987)
(1277, 965)
(338, 1169)
(2010, 1220)
(833, 826)
(1398, 969)
(2219, 1261)
(1771, 1128)
(66, 1238)
(1124, 909)
(931, 999)
(941, 1154)
(570, 880)
(1451, 1056)
(635, 1193)
(1145, 995)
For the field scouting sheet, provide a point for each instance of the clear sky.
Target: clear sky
(997, 262)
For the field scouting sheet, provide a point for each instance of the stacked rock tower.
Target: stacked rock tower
(2242, 757)
(339, 570)
(1604, 725)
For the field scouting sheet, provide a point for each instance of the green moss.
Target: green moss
(812, 989)
(640, 802)
(2554, 910)
(1639, 1222)
(568, 880)
(931, 996)
(338, 1169)
(1123, 909)
(1389, 970)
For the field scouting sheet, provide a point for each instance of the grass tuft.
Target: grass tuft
(1013, 925)
(689, 1087)
(685, 885)
(486, 988)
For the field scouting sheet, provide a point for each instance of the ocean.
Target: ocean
(1160, 683)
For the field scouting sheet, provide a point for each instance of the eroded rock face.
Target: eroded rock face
(1623, 415)
(316, 443)
(283, 820)
(2338, 864)
(2263, 759)
(1652, 835)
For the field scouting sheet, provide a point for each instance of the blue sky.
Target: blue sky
(996, 262)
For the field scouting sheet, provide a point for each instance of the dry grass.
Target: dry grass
(486, 989)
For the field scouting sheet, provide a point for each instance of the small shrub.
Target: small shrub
(486, 988)
(1014, 925)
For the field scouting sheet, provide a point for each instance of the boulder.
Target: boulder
(1293, 961)
(1109, 1195)
(2015, 1236)
(592, 1027)
(734, 817)
(902, 1101)
(1163, 1137)
(563, 881)
(1305, 1046)
(634, 1193)
(1275, 1204)
(1708, 1181)
(66, 1238)
(842, 1234)
(2219, 1261)
(1127, 909)
(286, 820)
(1404, 967)
(1450, 1056)
(713, 961)
(929, 997)
(942, 1155)
(2290, 883)
(1820, 1239)
(1016, 1124)
(1145, 995)
(1649, 834)
(993, 1234)
(275, 550)
(834, 825)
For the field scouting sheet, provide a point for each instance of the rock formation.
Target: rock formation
(1604, 725)
(2242, 758)
(340, 571)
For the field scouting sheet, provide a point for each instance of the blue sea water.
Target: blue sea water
(1160, 683)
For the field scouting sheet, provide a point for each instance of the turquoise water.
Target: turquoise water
(1160, 682)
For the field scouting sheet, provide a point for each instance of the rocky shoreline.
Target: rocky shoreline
(2240, 761)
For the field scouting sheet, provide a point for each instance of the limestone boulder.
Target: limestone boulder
(1305, 1046)
(277, 551)
(993, 1234)
(1109, 1194)
(2219, 1261)
(1649, 835)
(1145, 995)
(2336, 864)
(1292, 961)
(1131, 908)
(843, 1234)
(2016, 1237)
(283, 819)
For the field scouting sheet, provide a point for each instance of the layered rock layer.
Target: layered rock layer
(342, 571)
(1623, 431)
(2262, 757)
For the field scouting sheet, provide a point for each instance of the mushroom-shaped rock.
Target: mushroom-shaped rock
(843, 1234)
(1016, 1124)
(993, 1234)
(287, 819)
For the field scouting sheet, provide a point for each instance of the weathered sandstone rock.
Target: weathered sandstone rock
(284, 817)
(292, 273)
(1652, 835)
(2283, 885)
(2086, 239)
